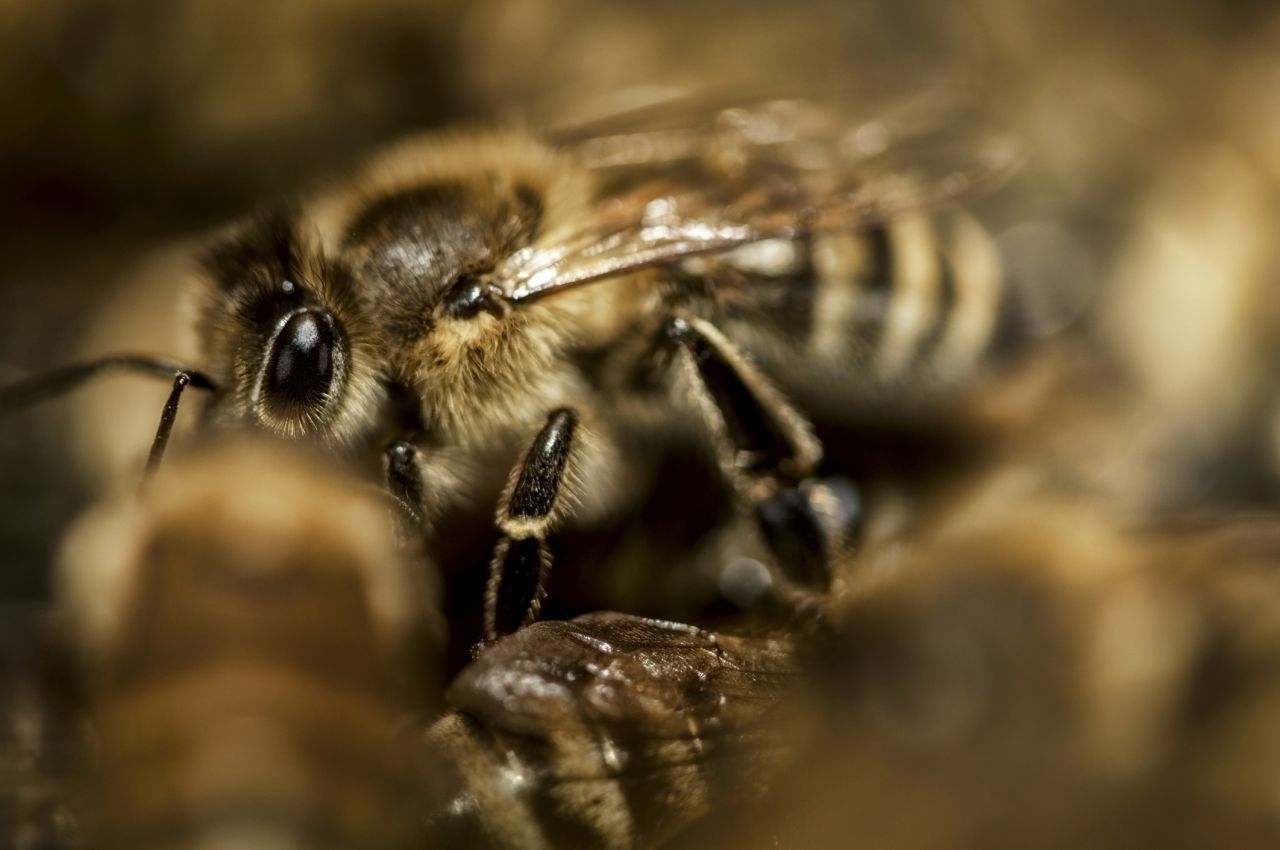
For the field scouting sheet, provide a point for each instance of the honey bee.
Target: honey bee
(259, 673)
(463, 290)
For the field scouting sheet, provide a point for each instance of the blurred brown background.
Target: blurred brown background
(1148, 203)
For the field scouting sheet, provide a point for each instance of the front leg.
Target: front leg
(533, 503)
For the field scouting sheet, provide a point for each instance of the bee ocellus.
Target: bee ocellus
(1040, 674)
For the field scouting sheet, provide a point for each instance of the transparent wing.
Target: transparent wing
(774, 168)
(607, 730)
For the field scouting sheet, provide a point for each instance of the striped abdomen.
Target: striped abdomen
(916, 299)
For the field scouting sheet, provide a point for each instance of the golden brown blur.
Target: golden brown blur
(1061, 627)
(243, 649)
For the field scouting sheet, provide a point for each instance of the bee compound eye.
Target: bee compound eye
(300, 366)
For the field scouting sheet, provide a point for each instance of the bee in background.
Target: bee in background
(462, 290)
(249, 637)
(258, 662)
(1044, 674)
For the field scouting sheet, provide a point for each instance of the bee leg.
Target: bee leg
(809, 526)
(533, 502)
(758, 434)
(767, 450)
(403, 470)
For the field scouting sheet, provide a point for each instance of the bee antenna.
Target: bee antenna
(55, 382)
(168, 416)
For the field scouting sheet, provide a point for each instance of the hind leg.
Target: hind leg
(767, 451)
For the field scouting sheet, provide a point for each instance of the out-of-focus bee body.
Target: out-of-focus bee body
(1039, 675)
(244, 639)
